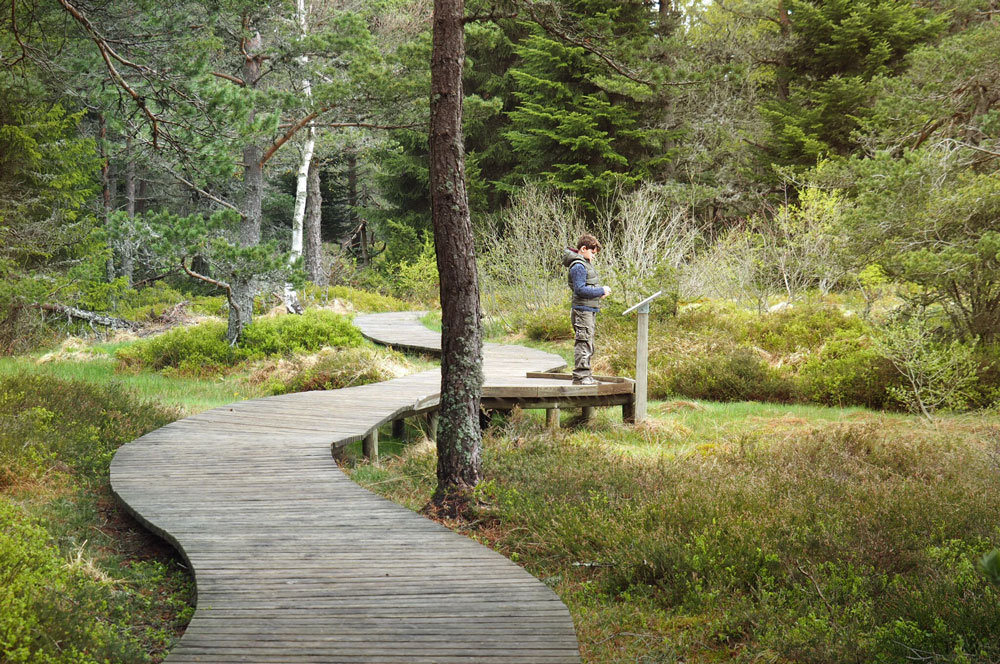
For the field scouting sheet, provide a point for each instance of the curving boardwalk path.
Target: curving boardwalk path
(294, 562)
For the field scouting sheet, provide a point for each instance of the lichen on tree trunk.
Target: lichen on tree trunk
(459, 440)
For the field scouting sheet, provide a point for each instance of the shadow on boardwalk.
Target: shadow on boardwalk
(295, 563)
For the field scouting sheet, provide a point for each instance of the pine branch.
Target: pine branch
(218, 284)
(238, 81)
(584, 43)
(107, 54)
(17, 34)
(294, 127)
(204, 193)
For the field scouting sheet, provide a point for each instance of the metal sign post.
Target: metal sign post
(642, 354)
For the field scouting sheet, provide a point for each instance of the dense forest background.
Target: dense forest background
(759, 152)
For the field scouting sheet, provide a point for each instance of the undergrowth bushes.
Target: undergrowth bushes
(49, 608)
(812, 352)
(830, 543)
(849, 544)
(203, 349)
(47, 421)
(64, 597)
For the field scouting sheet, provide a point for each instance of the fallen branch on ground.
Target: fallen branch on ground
(89, 316)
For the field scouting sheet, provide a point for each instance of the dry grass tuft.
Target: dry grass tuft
(72, 349)
(677, 405)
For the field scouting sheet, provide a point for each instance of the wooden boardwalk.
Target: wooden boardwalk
(294, 562)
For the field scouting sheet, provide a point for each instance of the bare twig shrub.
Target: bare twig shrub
(936, 374)
(784, 252)
(521, 252)
(647, 240)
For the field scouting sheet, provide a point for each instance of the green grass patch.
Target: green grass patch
(79, 581)
(743, 533)
(432, 320)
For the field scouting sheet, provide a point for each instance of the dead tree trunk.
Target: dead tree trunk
(459, 440)
(109, 266)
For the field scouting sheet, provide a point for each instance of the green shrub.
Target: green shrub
(51, 613)
(549, 325)
(200, 349)
(203, 349)
(417, 278)
(986, 390)
(46, 421)
(801, 327)
(725, 374)
(344, 367)
(286, 335)
(847, 372)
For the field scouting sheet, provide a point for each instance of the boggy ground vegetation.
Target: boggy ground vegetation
(746, 533)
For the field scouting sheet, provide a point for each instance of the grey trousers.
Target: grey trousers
(584, 326)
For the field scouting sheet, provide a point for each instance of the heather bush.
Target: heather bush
(549, 324)
(725, 373)
(821, 543)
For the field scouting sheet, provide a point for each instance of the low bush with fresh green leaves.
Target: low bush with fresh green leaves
(47, 421)
(70, 592)
(203, 349)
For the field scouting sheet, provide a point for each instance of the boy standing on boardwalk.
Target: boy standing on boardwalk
(587, 295)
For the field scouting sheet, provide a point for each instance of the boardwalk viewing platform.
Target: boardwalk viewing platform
(294, 562)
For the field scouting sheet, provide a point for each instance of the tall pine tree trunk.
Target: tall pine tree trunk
(459, 443)
(241, 283)
(312, 228)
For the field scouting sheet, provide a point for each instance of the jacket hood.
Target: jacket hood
(571, 255)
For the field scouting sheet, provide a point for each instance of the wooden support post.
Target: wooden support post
(641, 364)
(628, 412)
(399, 429)
(432, 425)
(638, 411)
(552, 418)
(370, 445)
(587, 414)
